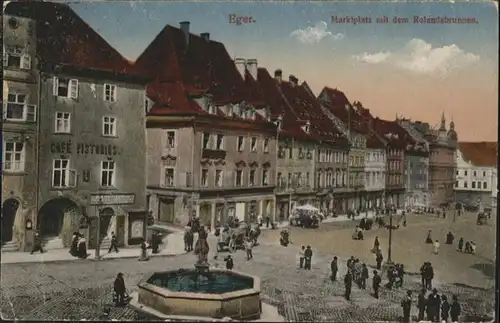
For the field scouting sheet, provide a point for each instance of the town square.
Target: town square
(267, 162)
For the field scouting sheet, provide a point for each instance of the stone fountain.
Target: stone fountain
(199, 294)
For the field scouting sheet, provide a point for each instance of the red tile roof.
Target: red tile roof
(385, 127)
(64, 38)
(484, 154)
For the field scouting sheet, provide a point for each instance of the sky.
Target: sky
(415, 70)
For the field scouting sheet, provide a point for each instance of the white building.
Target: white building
(476, 173)
(375, 171)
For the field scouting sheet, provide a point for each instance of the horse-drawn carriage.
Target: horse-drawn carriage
(482, 218)
(232, 237)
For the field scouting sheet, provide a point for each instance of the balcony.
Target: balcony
(213, 154)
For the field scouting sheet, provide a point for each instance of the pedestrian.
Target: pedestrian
(144, 251)
(364, 276)
(376, 281)
(421, 305)
(436, 247)
(229, 262)
(190, 240)
(114, 242)
(268, 221)
(187, 230)
(37, 246)
(406, 305)
(455, 309)
(248, 248)
(260, 220)
(429, 276)
(433, 306)
(301, 256)
(308, 258)
(461, 244)
(155, 243)
(379, 258)
(82, 248)
(74, 244)
(445, 309)
(428, 240)
(348, 285)
(120, 290)
(334, 268)
(376, 245)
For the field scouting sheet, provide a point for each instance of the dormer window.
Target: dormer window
(307, 128)
(211, 108)
(236, 111)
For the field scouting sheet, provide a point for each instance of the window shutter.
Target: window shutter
(55, 85)
(5, 58)
(31, 113)
(72, 178)
(73, 88)
(115, 89)
(26, 62)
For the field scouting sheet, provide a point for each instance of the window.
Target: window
(473, 185)
(108, 173)
(219, 178)
(14, 57)
(266, 145)
(169, 177)
(206, 140)
(465, 172)
(62, 175)
(220, 142)
(265, 177)
(17, 109)
(170, 139)
(204, 177)
(484, 174)
(66, 88)
(458, 172)
(253, 145)
(280, 179)
(109, 92)
(290, 152)
(251, 177)
(240, 143)
(465, 184)
(485, 185)
(109, 126)
(13, 157)
(63, 122)
(237, 180)
(474, 173)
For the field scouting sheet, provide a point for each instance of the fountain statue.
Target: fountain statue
(201, 249)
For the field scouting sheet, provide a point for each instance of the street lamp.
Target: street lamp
(389, 251)
(98, 234)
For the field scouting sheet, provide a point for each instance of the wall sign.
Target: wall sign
(136, 229)
(112, 199)
(83, 148)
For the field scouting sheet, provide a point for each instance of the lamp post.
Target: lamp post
(98, 234)
(389, 251)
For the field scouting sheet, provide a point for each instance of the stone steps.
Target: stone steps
(53, 243)
(10, 246)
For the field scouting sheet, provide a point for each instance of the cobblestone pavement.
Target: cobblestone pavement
(81, 289)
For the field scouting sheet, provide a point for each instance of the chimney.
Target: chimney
(252, 67)
(241, 66)
(185, 30)
(278, 75)
(293, 80)
(205, 36)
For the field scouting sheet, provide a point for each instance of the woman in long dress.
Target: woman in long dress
(74, 244)
(82, 248)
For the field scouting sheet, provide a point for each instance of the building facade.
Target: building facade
(19, 131)
(476, 173)
(211, 145)
(442, 163)
(375, 171)
(82, 174)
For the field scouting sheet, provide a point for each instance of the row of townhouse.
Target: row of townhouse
(95, 143)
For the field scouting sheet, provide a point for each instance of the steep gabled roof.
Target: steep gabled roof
(64, 38)
(384, 128)
(482, 154)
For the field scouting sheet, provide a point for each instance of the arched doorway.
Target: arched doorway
(51, 216)
(105, 216)
(9, 210)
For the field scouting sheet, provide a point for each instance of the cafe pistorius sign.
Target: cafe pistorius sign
(83, 148)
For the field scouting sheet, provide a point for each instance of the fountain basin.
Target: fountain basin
(217, 294)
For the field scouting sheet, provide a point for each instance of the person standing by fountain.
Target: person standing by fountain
(308, 258)
(144, 252)
(119, 289)
(248, 248)
(229, 262)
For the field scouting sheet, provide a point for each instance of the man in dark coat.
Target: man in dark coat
(421, 305)
(335, 268)
(455, 309)
(308, 258)
(445, 308)
(74, 244)
(348, 285)
(376, 281)
(119, 288)
(114, 243)
(406, 305)
(155, 242)
(429, 276)
(433, 306)
(379, 258)
(364, 276)
(37, 246)
(460, 244)
(229, 262)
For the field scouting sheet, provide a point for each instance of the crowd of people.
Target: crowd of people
(469, 247)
